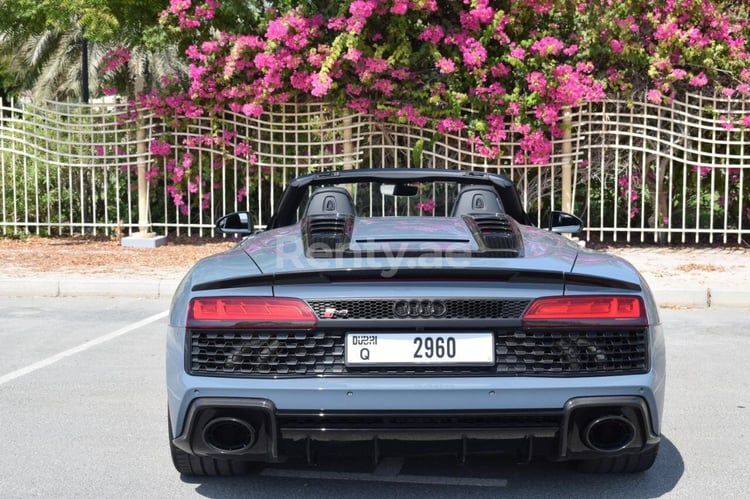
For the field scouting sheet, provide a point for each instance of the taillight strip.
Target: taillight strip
(586, 309)
(250, 311)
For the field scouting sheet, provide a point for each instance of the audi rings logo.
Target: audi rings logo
(415, 309)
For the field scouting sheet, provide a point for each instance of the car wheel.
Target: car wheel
(632, 463)
(190, 465)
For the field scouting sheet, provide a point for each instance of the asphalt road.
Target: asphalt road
(82, 414)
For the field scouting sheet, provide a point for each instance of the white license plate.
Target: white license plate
(365, 349)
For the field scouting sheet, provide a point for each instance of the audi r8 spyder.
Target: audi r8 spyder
(410, 312)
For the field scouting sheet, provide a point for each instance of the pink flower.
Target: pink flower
(483, 13)
(547, 46)
(210, 47)
(514, 109)
(702, 171)
(253, 110)
(616, 46)
(433, 34)
(428, 206)
(159, 148)
(518, 53)
(654, 96)
(473, 52)
(187, 161)
(115, 59)
(321, 83)
(678, 73)
(445, 65)
(359, 105)
(362, 8)
(665, 31)
(448, 125)
(535, 149)
(537, 82)
(353, 54)
(400, 7)
(699, 80)
(277, 29)
(412, 115)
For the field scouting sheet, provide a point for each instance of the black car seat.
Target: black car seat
(333, 201)
(328, 219)
(477, 200)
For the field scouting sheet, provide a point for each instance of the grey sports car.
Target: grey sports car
(412, 311)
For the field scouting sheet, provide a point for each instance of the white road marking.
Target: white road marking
(370, 477)
(80, 348)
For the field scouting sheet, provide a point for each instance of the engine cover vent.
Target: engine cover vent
(497, 231)
(326, 233)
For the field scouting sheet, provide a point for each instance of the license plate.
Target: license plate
(382, 349)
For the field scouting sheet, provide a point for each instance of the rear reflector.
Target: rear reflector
(261, 310)
(599, 309)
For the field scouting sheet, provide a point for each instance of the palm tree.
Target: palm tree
(47, 64)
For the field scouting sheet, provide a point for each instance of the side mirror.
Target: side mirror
(239, 223)
(564, 223)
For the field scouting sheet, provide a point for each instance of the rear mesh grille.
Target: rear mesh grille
(454, 309)
(321, 352)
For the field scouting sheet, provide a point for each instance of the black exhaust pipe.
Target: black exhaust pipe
(229, 435)
(609, 433)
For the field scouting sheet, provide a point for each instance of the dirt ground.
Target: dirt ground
(99, 257)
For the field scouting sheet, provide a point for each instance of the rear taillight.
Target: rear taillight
(250, 311)
(589, 309)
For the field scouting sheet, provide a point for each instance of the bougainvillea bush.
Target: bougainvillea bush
(489, 70)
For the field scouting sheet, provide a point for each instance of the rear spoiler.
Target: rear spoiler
(416, 274)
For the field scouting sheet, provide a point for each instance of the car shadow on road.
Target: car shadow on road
(436, 478)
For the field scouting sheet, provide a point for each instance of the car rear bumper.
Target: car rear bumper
(458, 414)
(254, 429)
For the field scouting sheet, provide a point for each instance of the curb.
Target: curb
(106, 288)
(702, 298)
(165, 288)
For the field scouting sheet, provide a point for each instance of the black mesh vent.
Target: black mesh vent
(563, 352)
(327, 233)
(321, 352)
(335, 225)
(266, 353)
(493, 224)
(454, 309)
(497, 232)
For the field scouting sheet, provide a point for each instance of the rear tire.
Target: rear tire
(631, 463)
(190, 465)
